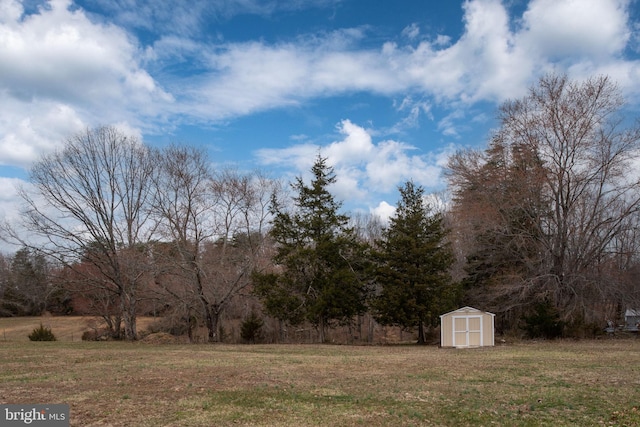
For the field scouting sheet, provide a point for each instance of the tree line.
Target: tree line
(541, 230)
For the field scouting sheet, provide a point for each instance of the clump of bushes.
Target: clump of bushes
(42, 334)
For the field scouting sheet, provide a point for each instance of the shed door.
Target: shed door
(467, 331)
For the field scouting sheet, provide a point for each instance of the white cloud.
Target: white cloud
(244, 78)
(442, 40)
(414, 109)
(412, 31)
(356, 147)
(394, 164)
(575, 28)
(60, 72)
(489, 62)
(481, 65)
(62, 69)
(28, 131)
(384, 211)
(364, 169)
(10, 207)
(61, 54)
(8, 197)
(62, 58)
(300, 157)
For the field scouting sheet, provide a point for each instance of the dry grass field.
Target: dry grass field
(563, 383)
(65, 328)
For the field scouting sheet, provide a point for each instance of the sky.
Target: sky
(386, 90)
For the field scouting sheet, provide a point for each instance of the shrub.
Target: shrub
(544, 322)
(42, 334)
(89, 336)
(251, 328)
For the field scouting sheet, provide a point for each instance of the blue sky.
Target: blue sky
(385, 89)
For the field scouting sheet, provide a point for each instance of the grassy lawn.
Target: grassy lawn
(584, 383)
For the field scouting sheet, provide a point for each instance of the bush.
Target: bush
(544, 322)
(251, 328)
(42, 334)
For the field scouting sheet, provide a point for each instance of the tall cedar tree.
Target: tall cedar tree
(320, 264)
(506, 219)
(548, 214)
(414, 262)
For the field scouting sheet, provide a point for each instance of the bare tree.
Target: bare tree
(91, 203)
(559, 189)
(183, 207)
(368, 227)
(214, 223)
(242, 247)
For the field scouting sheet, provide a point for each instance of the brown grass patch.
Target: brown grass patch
(564, 383)
(65, 328)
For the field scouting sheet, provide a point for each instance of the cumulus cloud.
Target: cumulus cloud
(383, 211)
(61, 72)
(28, 131)
(365, 169)
(566, 29)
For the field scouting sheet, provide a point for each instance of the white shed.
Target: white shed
(467, 327)
(631, 320)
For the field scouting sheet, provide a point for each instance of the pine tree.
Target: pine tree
(320, 263)
(413, 264)
(28, 286)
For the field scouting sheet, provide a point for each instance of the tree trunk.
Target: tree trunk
(191, 325)
(128, 307)
(212, 320)
(114, 323)
(215, 316)
(211, 323)
(131, 328)
(421, 337)
(321, 330)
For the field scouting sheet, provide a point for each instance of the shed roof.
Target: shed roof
(467, 310)
(630, 312)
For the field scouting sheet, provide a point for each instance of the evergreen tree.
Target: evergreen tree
(507, 218)
(413, 270)
(28, 288)
(320, 264)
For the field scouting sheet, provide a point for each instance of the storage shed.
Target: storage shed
(631, 320)
(467, 327)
